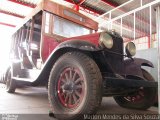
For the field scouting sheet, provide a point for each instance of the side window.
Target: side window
(67, 28)
(47, 20)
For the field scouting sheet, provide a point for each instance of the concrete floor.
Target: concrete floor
(32, 104)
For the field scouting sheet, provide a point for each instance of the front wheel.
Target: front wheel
(75, 86)
(142, 99)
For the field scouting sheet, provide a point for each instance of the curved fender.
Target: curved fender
(72, 45)
(78, 44)
(133, 66)
(67, 46)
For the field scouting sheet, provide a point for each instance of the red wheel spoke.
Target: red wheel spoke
(78, 80)
(63, 94)
(63, 80)
(133, 99)
(70, 74)
(70, 99)
(61, 87)
(74, 76)
(78, 87)
(66, 75)
(74, 98)
(78, 94)
(66, 98)
(129, 97)
(138, 96)
(141, 93)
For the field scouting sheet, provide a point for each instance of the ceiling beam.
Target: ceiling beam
(12, 14)
(92, 9)
(7, 24)
(23, 3)
(110, 3)
(81, 2)
(77, 5)
(70, 1)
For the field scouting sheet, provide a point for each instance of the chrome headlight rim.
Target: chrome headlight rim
(130, 49)
(105, 40)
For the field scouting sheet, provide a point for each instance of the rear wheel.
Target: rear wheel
(10, 83)
(142, 99)
(2, 78)
(75, 86)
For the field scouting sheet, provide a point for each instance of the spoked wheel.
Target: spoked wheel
(10, 83)
(75, 86)
(143, 98)
(71, 87)
(137, 96)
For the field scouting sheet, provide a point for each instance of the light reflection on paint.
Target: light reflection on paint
(5, 39)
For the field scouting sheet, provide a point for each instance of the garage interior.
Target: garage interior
(135, 20)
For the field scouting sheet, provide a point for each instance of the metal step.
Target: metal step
(28, 74)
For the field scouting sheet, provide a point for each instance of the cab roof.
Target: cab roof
(62, 11)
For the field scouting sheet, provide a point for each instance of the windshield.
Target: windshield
(67, 28)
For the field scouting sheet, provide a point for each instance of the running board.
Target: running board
(27, 74)
(128, 83)
(23, 79)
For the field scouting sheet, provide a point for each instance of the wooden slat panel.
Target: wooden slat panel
(59, 10)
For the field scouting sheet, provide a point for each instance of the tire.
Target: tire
(84, 92)
(2, 78)
(146, 96)
(6, 75)
(10, 83)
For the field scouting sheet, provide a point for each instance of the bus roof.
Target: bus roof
(62, 11)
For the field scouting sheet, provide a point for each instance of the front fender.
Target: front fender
(77, 44)
(133, 66)
(68, 46)
(71, 45)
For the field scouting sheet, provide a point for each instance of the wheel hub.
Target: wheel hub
(69, 87)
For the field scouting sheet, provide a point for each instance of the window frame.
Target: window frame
(51, 25)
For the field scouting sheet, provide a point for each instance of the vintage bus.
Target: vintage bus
(61, 49)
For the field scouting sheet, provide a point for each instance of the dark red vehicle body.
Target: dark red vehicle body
(54, 36)
(50, 44)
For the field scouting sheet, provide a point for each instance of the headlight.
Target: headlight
(130, 49)
(106, 40)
